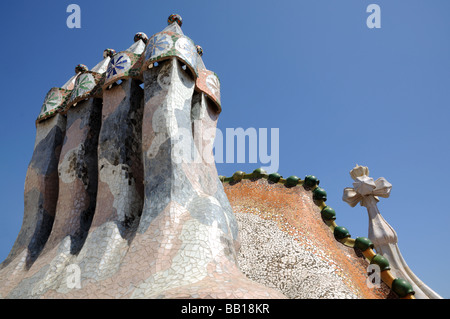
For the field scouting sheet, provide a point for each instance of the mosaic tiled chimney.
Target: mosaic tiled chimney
(120, 191)
(123, 200)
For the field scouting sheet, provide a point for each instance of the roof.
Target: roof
(144, 53)
(270, 190)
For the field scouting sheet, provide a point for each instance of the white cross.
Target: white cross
(366, 191)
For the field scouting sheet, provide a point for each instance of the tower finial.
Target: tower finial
(175, 18)
(108, 52)
(81, 68)
(199, 50)
(141, 36)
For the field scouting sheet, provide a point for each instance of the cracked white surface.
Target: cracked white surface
(273, 258)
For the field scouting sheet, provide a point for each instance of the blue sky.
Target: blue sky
(339, 93)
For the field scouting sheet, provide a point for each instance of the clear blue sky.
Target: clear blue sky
(339, 92)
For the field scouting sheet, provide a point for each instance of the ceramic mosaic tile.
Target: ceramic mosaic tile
(41, 189)
(123, 65)
(88, 84)
(209, 83)
(113, 192)
(69, 84)
(175, 18)
(102, 66)
(55, 101)
(167, 44)
(285, 244)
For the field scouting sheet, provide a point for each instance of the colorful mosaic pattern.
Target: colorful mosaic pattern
(147, 225)
(141, 36)
(55, 100)
(302, 257)
(130, 65)
(159, 44)
(208, 83)
(402, 288)
(119, 64)
(175, 18)
(87, 84)
(81, 68)
(199, 50)
(109, 53)
(188, 50)
(136, 223)
(168, 44)
(123, 65)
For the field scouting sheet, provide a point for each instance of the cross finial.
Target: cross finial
(365, 189)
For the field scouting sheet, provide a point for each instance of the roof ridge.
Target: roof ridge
(310, 183)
